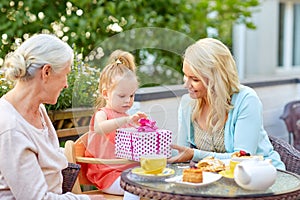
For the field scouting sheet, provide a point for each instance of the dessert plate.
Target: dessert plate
(208, 178)
(165, 173)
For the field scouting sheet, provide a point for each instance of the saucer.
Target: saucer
(227, 174)
(165, 173)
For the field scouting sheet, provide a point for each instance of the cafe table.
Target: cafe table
(286, 186)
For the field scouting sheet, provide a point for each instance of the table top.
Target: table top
(287, 185)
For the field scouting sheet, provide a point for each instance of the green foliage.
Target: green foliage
(88, 24)
(82, 91)
(5, 85)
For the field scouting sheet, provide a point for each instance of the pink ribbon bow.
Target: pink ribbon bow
(147, 125)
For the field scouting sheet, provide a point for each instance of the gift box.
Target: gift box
(132, 143)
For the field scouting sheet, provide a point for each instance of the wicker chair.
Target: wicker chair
(70, 175)
(291, 117)
(289, 155)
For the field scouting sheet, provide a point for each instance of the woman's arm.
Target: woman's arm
(247, 124)
(184, 122)
(22, 173)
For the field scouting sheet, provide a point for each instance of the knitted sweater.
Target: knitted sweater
(31, 159)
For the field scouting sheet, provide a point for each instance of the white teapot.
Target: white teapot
(255, 174)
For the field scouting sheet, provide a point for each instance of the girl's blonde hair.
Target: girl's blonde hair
(212, 61)
(120, 64)
(34, 53)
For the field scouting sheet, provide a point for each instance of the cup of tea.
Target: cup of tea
(232, 165)
(153, 164)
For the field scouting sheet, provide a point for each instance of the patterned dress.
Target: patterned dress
(209, 142)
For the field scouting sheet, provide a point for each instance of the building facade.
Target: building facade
(272, 50)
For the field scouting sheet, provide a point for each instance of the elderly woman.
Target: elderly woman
(31, 160)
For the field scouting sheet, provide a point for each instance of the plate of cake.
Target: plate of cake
(195, 177)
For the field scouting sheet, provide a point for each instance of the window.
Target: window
(289, 34)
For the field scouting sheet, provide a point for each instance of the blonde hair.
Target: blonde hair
(121, 64)
(34, 53)
(211, 60)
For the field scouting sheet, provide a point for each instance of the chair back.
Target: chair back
(70, 175)
(289, 155)
(291, 117)
(79, 147)
(73, 150)
(289, 114)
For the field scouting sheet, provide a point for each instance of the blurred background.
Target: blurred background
(263, 35)
(86, 24)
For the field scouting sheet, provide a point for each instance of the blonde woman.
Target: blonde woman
(218, 116)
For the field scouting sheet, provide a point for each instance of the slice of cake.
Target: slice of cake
(192, 175)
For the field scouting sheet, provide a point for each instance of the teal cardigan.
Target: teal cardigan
(243, 129)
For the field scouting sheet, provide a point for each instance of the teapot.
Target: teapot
(255, 174)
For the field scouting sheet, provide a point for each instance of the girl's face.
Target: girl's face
(121, 98)
(194, 85)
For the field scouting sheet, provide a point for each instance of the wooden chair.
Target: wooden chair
(289, 155)
(74, 152)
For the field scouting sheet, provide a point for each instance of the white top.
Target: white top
(31, 159)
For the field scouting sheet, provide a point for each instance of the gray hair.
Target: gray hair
(34, 53)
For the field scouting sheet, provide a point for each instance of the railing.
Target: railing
(71, 123)
(161, 104)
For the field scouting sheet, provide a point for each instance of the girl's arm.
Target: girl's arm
(103, 125)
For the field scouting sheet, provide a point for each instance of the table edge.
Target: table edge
(131, 187)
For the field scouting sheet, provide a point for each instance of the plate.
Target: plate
(227, 174)
(140, 172)
(208, 178)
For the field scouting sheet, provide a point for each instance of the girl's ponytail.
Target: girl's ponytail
(122, 57)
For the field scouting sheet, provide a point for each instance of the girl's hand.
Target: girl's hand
(184, 154)
(134, 119)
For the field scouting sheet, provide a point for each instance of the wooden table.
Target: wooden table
(287, 186)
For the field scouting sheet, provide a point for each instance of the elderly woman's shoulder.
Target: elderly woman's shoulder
(7, 116)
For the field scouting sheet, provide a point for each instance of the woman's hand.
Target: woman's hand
(184, 154)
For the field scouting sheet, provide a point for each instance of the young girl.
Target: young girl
(118, 83)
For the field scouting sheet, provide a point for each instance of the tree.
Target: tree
(95, 23)
(88, 22)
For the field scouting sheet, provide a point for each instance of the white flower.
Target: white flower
(115, 27)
